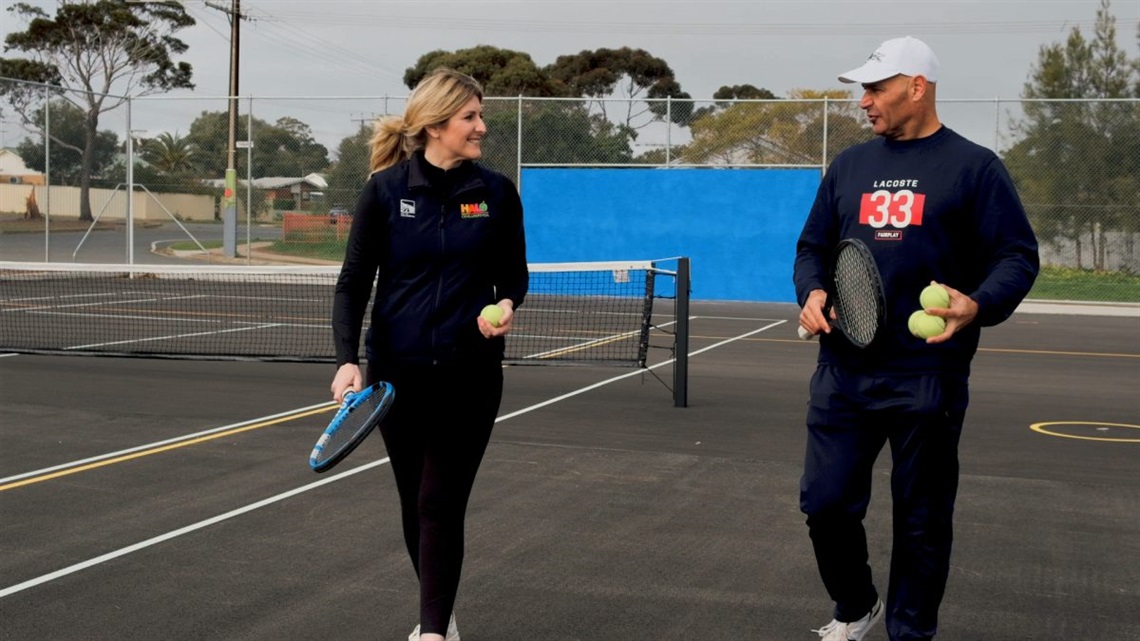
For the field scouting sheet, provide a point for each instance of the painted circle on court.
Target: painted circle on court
(1089, 431)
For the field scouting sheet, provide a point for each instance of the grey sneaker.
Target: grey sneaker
(452, 631)
(853, 631)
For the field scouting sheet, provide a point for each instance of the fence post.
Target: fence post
(668, 128)
(130, 188)
(518, 147)
(47, 177)
(997, 124)
(826, 110)
(249, 184)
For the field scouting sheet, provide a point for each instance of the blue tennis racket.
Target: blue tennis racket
(358, 415)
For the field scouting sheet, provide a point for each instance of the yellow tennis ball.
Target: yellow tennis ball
(912, 322)
(923, 325)
(493, 314)
(934, 296)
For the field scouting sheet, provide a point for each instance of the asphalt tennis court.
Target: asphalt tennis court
(170, 499)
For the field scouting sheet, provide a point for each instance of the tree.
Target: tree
(285, 148)
(632, 73)
(1077, 164)
(91, 49)
(562, 131)
(170, 154)
(727, 95)
(743, 92)
(777, 132)
(70, 140)
(502, 72)
(347, 175)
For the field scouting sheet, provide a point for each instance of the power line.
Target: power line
(683, 28)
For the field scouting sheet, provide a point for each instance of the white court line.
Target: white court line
(174, 336)
(151, 299)
(19, 587)
(731, 318)
(633, 373)
(185, 530)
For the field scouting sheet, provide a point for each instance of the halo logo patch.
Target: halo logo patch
(480, 210)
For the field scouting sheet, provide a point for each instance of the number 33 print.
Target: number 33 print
(900, 209)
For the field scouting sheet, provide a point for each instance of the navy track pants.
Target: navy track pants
(850, 417)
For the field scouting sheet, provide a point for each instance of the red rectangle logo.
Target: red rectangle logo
(899, 209)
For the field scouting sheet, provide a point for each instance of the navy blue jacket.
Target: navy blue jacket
(439, 246)
(938, 208)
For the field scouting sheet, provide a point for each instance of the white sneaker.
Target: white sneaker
(853, 631)
(452, 631)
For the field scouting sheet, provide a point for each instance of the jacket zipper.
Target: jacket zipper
(439, 283)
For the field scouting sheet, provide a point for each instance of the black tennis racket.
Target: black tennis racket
(856, 294)
(358, 415)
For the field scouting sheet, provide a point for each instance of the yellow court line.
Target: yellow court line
(1056, 353)
(1040, 428)
(158, 450)
(581, 348)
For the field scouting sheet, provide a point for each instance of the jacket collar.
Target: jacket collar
(466, 175)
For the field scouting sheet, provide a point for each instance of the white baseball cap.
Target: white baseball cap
(907, 56)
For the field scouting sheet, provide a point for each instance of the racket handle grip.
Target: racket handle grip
(804, 334)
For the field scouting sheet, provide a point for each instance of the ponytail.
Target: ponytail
(390, 143)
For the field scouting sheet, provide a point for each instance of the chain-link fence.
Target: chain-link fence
(300, 163)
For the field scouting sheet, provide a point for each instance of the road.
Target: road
(110, 245)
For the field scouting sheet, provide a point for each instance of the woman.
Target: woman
(441, 237)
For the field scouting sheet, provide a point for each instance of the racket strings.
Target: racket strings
(355, 419)
(858, 308)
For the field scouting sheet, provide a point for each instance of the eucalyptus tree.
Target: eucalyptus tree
(95, 54)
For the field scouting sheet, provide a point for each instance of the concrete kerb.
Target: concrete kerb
(1079, 308)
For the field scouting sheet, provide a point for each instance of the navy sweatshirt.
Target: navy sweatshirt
(439, 246)
(938, 208)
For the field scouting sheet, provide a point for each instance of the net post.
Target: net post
(681, 359)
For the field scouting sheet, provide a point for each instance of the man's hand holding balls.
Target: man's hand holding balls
(956, 309)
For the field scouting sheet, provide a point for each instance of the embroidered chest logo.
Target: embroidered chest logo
(475, 211)
(407, 208)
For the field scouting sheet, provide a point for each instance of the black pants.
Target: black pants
(850, 418)
(436, 434)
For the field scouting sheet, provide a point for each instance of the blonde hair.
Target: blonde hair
(438, 97)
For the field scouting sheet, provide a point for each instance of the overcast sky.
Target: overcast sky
(362, 47)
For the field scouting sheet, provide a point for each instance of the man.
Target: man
(932, 207)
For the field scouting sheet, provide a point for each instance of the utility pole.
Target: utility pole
(229, 196)
(229, 235)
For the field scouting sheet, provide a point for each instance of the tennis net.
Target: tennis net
(596, 313)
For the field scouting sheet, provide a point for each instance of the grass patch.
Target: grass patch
(189, 245)
(1063, 283)
(332, 250)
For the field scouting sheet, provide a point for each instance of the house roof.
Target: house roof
(11, 164)
(277, 182)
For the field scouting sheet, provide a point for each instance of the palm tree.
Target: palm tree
(170, 153)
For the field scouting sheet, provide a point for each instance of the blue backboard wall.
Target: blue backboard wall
(739, 226)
